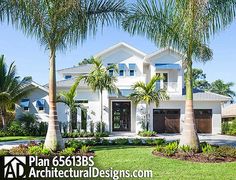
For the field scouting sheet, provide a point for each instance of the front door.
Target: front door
(121, 116)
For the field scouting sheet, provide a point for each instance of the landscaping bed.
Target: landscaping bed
(208, 153)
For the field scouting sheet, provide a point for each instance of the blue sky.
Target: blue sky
(32, 59)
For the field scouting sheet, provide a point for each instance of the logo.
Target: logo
(14, 166)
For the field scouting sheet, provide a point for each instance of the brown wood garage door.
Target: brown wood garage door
(203, 119)
(166, 120)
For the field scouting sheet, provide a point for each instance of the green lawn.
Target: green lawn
(15, 138)
(141, 158)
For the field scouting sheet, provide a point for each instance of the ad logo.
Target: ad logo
(14, 166)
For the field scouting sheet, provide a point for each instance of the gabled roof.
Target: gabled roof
(199, 95)
(69, 82)
(161, 52)
(39, 86)
(76, 69)
(229, 111)
(119, 45)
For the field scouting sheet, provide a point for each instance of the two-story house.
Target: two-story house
(122, 115)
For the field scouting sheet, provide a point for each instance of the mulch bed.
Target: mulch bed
(197, 157)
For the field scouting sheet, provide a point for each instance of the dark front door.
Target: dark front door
(121, 116)
(166, 120)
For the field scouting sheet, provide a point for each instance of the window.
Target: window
(68, 77)
(26, 108)
(121, 73)
(131, 72)
(111, 72)
(41, 108)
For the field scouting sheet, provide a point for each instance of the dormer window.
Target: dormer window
(40, 104)
(132, 68)
(111, 72)
(121, 69)
(68, 76)
(25, 104)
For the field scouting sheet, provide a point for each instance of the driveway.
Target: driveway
(212, 139)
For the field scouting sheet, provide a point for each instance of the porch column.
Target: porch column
(140, 116)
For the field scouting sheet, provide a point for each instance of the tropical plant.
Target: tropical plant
(58, 25)
(199, 79)
(186, 26)
(148, 93)
(99, 80)
(12, 88)
(220, 87)
(68, 98)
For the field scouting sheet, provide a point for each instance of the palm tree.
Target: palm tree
(186, 26)
(68, 98)
(58, 25)
(220, 87)
(148, 93)
(12, 88)
(99, 80)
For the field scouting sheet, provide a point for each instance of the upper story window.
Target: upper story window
(122, 69)
(132, 68)
(40, 104)
(68, 76)
(111, 72)
(163, 83)
(25, 104)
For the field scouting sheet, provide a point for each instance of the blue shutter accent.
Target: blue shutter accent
(121, 66)
(40, 103)
(167, 66)
(132, 66)
(25, 103)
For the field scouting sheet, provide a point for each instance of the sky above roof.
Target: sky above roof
(33, 60)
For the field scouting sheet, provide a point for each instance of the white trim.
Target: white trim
(39, 86)
(111, 117)
(116, 46)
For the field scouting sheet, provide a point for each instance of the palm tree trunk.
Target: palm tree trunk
(70, 121)
(147, 116)
(189, 134)
(53, 139)
(3, 118)
(101, 111)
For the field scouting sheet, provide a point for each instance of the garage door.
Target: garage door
(203, 119)
(166, 120)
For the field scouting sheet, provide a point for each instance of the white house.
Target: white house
(122, 115)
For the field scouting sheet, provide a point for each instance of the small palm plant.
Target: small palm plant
(12, 89)
(148, 93)
(99, 80)
(68, 98)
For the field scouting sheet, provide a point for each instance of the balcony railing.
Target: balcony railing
(171, 87)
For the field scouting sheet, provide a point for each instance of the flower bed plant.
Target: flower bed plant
(37, 149)
(147, 133)
(208, 153)
(85, 134)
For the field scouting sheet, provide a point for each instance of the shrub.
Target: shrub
(229, 127)
(19, 150)
(3, 133)
(122, 141)
(225, 151)
(103, 134)
(90, 142)
(42, 128)
(14, 129)
(137, 141)
(159, 148)
(207, 148)
(98, 127)
(153, 142)
(105, 142)
(35, 150)
(46, 152)
(4, 152)
(73, 143)
(171, 148)
(147, 133)
(84, 149)
(185, 148)
(69, 151)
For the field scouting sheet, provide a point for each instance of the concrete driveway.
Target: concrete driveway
(212, 139)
